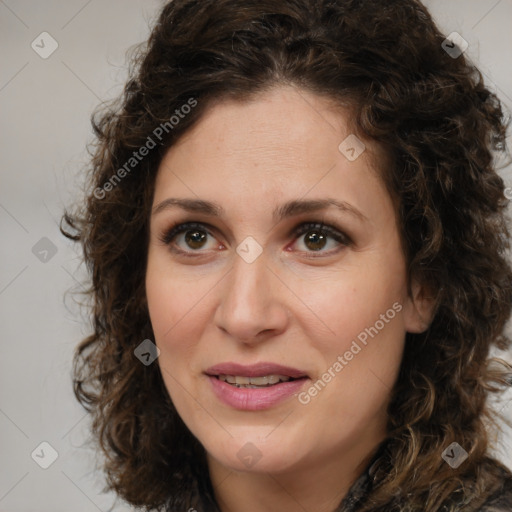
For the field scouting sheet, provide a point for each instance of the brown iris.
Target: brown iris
(195, 239)
(316, 240)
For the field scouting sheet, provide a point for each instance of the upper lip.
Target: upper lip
(254, 370)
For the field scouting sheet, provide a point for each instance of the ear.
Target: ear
(419, 308)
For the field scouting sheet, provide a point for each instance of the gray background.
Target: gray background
(45, 105)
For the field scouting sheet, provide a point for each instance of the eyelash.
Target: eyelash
(325, 229)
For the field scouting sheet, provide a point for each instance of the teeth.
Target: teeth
(254, 382)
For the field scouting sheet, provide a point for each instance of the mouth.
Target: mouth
(255, 387)
(240, 381)
(259, 374)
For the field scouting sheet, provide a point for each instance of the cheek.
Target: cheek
(169, 301)
(180, 308)
(171, 311)
(173, 295)
(362, 349)
(352, 301)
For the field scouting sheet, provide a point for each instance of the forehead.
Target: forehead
(283, 144)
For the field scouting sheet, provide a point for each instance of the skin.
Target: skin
(293, 305)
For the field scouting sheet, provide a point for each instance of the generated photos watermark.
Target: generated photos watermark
(137, 156)
(454, 455)
(343, 360)
(146, 352)
(249, 454)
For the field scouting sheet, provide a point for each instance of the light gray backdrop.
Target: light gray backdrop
(46, 99)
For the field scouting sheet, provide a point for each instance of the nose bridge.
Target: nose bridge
(250, 302)
(248, 284)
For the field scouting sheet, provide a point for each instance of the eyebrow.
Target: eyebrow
(288, 209)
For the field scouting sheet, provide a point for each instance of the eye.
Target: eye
(315, 237)
(192, 237)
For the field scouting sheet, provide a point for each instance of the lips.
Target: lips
(255, 370)
(255, 387)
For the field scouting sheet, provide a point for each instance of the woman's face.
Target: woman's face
(255, 289)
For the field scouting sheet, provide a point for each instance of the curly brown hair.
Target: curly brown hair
(438, 123)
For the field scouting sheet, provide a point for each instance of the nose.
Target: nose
(252, 303)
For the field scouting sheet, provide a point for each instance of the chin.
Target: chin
(254, 451)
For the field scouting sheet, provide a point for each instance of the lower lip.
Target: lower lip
(255, 399)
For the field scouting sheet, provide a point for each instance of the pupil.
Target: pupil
(317, 241)
(195, 239)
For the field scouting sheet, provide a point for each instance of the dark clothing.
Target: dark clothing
(499, 499)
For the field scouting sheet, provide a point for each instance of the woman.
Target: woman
(296, 239)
